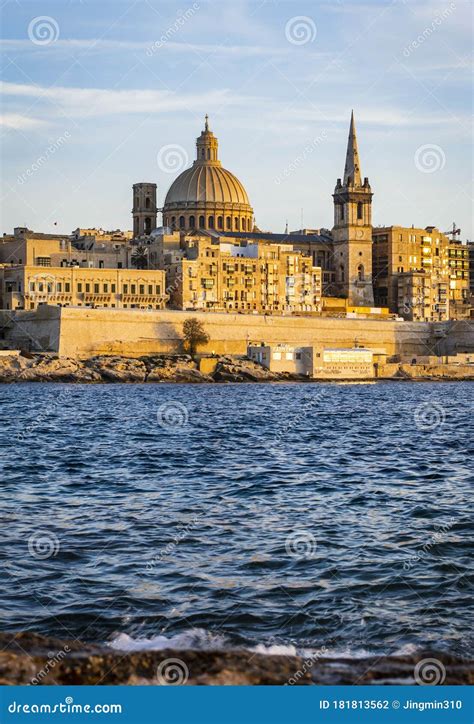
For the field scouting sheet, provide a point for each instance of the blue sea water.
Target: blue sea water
(270, 515)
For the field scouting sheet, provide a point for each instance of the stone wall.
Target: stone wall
(85, 332)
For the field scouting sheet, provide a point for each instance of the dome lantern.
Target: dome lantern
(207, 146)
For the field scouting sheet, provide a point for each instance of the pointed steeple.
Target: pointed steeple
(352, 167)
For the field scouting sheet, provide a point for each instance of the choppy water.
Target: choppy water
(315, 515)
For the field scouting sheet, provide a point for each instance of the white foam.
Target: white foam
(195, 638)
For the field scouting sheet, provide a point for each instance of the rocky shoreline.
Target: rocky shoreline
(30, 659)
(48, 367)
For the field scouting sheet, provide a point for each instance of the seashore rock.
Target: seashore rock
(28, 658)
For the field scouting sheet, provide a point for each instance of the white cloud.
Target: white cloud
(19, 122)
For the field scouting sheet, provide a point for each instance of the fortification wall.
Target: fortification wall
(85, 332)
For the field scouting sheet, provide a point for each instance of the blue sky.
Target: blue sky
(93, 90)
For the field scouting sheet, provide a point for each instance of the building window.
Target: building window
(192, 222)
(150, 289)
(181, 222)
(147, 203)
(360, 273)
(341, 207)
(237, 224)
(202, 224)
(59, 287)
(88, 287)
(119, 265)
(173, 222)
(32, 286)
(125, 288)
(360, 210)
(106, 288)
(343, 275)
(79, 287)
(112, 289)
(133, 289)
(67, 287)
(96, 289)
(43, 261)
(141, 289)
(244, 225)
(158, 289)
(211, 222)
(220, 222)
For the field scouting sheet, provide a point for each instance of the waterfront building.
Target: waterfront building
(208, 273)
(420, 274)
(24, 286)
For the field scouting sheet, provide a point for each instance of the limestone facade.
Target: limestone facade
(209, 274)
(27, 287)
(421, 274)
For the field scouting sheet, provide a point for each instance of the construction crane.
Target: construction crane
(453, 232)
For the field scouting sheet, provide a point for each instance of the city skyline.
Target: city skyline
(104, 96)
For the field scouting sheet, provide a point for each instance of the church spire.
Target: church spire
(352, 167)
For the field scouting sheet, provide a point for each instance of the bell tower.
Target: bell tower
(352, 230)
(144, 209)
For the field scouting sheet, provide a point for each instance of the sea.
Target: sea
(275, 517)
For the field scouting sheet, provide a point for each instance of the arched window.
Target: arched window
(173, 222)
(360, 272)
(202, 223)
(208, 153)
(244, 224)
(202, 153)
(343, 274)
(228, 223)
(237, 224)
(360, 210)
(181, 222)
(220, 222)
(192, 222)
(147, 225)
(211, 222)
(147, 202)
(136, 202)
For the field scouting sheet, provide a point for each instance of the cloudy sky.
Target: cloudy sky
(100, 94)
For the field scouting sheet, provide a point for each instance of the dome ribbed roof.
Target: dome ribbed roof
(207, 183)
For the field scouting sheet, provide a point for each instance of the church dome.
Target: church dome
(208, 183)
(207, 196)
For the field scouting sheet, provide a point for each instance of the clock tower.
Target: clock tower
(352, 230)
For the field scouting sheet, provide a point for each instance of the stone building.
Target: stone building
(420, 274)
(253, 277)
(144, 209)
(23, 286)
(207, 196)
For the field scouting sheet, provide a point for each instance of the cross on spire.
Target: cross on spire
(352, 167)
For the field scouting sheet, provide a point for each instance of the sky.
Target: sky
(100, 94)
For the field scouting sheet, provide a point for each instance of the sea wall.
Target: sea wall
(81, 332)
